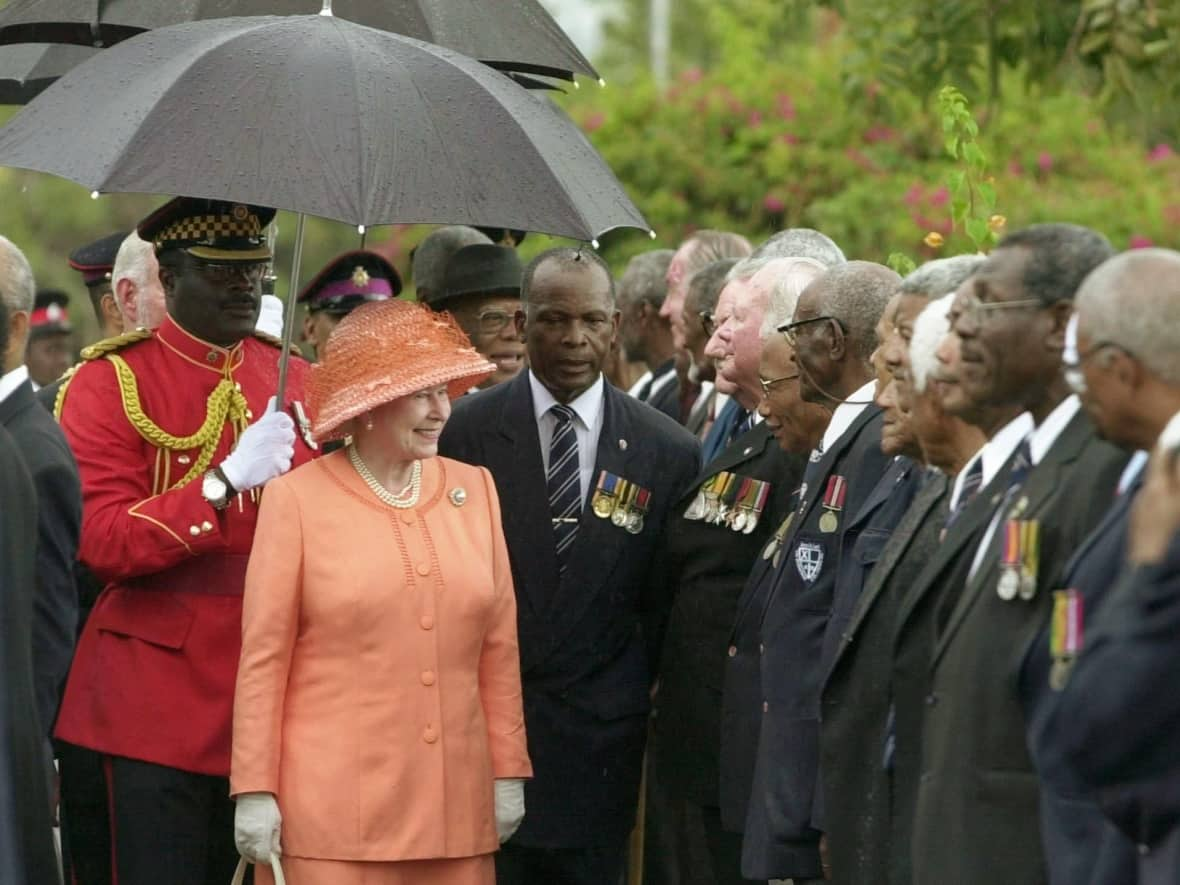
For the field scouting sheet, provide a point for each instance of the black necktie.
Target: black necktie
(565, 494)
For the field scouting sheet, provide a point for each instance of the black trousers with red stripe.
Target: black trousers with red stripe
(169, 825)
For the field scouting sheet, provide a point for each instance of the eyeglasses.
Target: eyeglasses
(1074, 376)
(707, 323)
(222, 274)
(791, 335)
(768, 383)
(978, 311)
(492, 321)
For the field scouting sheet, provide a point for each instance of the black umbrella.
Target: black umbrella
(320, 116)
(26, 70)
(516, 35)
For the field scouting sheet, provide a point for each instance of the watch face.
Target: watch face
(213, 488)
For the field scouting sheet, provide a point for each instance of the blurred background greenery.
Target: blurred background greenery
(765, 114)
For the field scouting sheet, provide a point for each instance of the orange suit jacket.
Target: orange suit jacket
(378, 694)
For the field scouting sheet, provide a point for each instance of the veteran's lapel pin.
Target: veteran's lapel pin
(623, 445)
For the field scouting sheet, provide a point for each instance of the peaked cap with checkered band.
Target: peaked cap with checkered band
(216, 230)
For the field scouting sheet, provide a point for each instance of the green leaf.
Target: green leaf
(988, 193)
(1094, 42)
(977, 230)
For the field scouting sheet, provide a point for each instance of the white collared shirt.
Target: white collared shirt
(994, 453)
(847, 412)
(588, 411)
(1132, 470)
(633, 390)
(10, 381)
(1039, 442)
(660, 382)
(1047, 431)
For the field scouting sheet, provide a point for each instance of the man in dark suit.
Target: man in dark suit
(797, 427)
(719, 529)
(27, 855)
(59, 494)
(645, 335)
(977, 809)
(898, 532)
(1125, 373)
(587, 479)
(834, 335)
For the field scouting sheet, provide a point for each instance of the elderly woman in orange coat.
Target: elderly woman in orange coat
(378, 729)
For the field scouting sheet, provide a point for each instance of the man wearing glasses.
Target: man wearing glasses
(979, 800)
(346, 283)
(833, 335)
(717, 532)
(481, 290)
(174, 441)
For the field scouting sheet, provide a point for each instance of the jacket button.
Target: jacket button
(206, 526)
(761, 649)
(428, 677)
(426, 622)
(765, 707)
(429, 734)
(732, 650)
(931, 699)
(194, 530)
(424, 568)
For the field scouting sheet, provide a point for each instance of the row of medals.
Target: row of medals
(720, 501)
(621, 506)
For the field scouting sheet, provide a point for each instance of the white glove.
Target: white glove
(257, 824)
(270, 316)
(263, 452)
(509, 806)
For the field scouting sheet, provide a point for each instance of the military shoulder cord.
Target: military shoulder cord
(225, 403)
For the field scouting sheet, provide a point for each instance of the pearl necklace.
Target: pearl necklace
(403, 500)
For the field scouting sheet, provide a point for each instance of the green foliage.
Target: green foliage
(787, 147)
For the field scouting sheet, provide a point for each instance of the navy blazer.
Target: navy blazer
(706, 566)
(1082, 846)
(780, 841)
(583, 651)
(1123, 714)
(59, 524)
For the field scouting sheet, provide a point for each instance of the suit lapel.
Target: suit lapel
(920, 510)
(599, 542)
(1030, 501)
(881, 491)
(514, 454)
(16, 402)
(827, 463)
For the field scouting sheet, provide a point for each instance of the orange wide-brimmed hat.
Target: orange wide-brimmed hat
(384, 350)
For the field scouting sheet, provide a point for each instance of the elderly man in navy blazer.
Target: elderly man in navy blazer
(833, 334)
(1098, 717)
(587, 479)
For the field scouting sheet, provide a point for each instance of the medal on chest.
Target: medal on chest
(1065, 636)
(603, 500)
(833, 504)
(1020, 561)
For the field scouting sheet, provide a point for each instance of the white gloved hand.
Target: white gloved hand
(257, 824)
(509, 806)
(264, 451)
(270, 316)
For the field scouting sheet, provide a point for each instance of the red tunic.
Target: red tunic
(153, 676)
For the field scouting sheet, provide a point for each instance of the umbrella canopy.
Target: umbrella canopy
(516, 35)
(26, 70)
(322, 116)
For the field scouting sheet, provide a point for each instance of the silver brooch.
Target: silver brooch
(458, 496)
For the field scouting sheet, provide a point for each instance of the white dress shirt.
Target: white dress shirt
(847, 412)
(994, 453)
(633, 390)
(10, 381)
(1039, 443)
(588, 410)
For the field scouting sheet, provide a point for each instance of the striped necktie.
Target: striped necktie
(972, 483)
(565, 494)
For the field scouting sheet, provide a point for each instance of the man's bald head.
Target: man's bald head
(1133, 301)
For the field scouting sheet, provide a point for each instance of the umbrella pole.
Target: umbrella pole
(289, 316)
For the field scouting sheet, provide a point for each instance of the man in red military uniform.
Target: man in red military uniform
(174, 441)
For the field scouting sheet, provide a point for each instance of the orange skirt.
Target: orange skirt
(478, 870)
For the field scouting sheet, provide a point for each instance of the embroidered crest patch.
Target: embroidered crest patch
(809, 559)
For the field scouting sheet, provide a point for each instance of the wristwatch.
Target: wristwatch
(215, 489)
